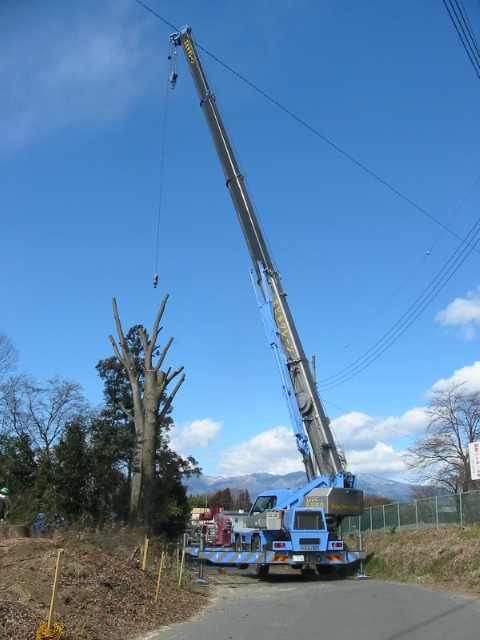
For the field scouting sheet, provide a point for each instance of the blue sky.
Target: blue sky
(362, 213)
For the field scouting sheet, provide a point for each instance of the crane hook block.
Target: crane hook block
(173, 79)
(155, 281)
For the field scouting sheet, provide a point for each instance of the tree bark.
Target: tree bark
(148, 412)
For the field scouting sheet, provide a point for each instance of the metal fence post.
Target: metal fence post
(467, 502)
(201, 548)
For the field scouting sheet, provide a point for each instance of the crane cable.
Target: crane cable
(172, 77)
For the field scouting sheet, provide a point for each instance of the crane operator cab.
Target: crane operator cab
(264, 513)
(263, 503)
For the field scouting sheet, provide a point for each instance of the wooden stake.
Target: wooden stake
(54, 591)
(181, 568)
(144, 563)
(159, 574)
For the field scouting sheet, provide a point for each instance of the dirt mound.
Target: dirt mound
(102, 592)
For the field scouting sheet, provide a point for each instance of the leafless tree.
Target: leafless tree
(40, 410)
(48, 408)
(13, 405)
(8, 355)
(440, 456)
(150, 407)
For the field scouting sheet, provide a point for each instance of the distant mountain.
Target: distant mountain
(258, 482)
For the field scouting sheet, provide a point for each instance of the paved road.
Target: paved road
(334, 610)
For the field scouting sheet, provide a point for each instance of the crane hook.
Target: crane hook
(155, 281)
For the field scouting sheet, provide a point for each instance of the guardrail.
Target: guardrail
(439, 511)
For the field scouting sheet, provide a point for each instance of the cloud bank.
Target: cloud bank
(373, 445)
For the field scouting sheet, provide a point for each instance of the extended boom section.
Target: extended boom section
(298, 524)
(324, 457)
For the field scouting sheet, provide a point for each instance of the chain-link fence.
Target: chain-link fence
(440, 511)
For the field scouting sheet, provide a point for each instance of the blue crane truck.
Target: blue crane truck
(298, 527)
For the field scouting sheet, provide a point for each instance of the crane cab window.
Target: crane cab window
(264, 503)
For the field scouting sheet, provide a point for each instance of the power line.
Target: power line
(466, 246)
(413, 312)
(407, 279)
(157, 15)
(464, 31)
(372, 422)
(312, 129)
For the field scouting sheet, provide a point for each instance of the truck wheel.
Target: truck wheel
(324, 569)
(260, 570)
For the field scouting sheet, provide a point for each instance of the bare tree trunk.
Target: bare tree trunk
(147, 412)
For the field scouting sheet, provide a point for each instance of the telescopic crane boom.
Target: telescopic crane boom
(312, 429)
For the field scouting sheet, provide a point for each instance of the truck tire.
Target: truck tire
(324, 569)
(260, 570)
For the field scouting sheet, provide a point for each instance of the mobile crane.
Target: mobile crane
(298, 528)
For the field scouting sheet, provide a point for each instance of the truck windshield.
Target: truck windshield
(264, 503)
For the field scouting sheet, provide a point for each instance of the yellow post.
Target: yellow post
(181, 568)
(55, 586)
(159, 574)
(144, 563)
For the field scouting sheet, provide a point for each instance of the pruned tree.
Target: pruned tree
(151, 403)
(440, 457)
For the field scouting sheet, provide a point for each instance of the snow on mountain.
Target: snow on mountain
(258, 482)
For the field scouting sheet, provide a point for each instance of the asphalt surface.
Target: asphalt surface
(286, 607)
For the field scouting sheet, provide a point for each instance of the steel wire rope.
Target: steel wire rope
(387, 340)
(414, 311)
(372, 422)
(468, 37)
(465, 34)
(377, 313)
(470, 30)
(333, 145)
(404, 283)
(311, 129)
(359, 164)
(162, 164)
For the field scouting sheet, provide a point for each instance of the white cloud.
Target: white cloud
(382, 460)
(468, 376)
(372, 445)
(463, 313)
(359, 431)
(273, 451)
(198, 434)
(86, 69)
